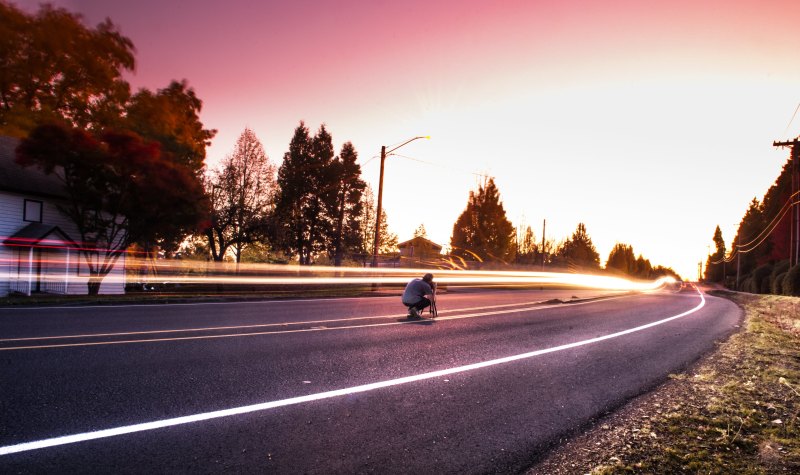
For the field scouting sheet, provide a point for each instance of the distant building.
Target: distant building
(38, 250)
(419, 248)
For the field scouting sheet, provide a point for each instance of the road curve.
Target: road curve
(333, 386)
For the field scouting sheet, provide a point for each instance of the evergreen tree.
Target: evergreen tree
(578, 251)
(527, 249)
(714, 271)
(643, 268)
(317, 204)
(388, 239)
(294, 190)
(482, 230)
(750, 227)
(622, 259)
(346, 236)
(777, 247)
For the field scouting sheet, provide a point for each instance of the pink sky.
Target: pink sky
(651, 122)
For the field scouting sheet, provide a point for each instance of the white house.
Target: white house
(39, 250)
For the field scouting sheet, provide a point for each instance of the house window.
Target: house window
(33, 211)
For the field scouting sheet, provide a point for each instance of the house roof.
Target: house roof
(417, 240)
(36, 234)
(27, 180)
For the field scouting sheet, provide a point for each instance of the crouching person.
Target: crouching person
(415, 297)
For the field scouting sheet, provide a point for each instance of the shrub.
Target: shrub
(766, 286)
(777, 284)
(759, 275)
(791, 282)
(775, 281)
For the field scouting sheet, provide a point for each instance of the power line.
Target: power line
(791, 120)
(762, 236)
(441, 166)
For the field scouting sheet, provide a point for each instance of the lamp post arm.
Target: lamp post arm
(407, 142)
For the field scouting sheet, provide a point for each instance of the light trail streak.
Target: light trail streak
(177, 272)
(147, 426)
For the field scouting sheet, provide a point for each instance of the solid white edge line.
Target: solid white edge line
(86, 436)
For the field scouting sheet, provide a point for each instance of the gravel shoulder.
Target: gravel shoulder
(734, 411)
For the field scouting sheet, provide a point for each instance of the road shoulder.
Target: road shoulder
(734, 411)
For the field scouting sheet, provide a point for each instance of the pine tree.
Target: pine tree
(345, 236)
(643, 267)
(295, 177)
(622, 259)
(714, 271)
(528, 249)
(752, 224)
(482, 231)
(388, 240)
(578, 251)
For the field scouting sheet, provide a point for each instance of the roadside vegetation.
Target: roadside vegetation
(763, 257)
(737, 411)
(77, 118)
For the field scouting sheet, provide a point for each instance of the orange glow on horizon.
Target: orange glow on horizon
(179, 272)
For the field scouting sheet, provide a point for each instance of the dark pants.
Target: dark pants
(422, 304)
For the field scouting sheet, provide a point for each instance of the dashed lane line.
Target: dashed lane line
(288, 331)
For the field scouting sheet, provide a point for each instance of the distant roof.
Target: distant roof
(417, 239)
(34, 234)
(28, 180)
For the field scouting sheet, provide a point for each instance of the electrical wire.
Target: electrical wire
(791, 120)
(762, 236)
(441, 166)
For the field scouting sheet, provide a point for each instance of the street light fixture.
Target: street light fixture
(384, 154)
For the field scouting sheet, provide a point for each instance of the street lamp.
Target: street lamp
(384, 154)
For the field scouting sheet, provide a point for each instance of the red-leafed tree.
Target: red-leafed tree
(119, 191)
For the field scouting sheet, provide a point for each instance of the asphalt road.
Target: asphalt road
(333, 386)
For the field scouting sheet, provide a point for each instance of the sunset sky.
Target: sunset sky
(649, 121)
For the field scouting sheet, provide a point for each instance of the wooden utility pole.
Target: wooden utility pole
(378, 213)
(544, 226)
(738, 267)
(384, 154)
(794, 227)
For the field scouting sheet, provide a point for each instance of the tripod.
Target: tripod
(432, 309)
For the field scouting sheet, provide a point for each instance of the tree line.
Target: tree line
(132, 165)
(483, 233)
(758, 258)
(314, 205)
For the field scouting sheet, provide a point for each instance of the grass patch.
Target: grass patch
(738, 411)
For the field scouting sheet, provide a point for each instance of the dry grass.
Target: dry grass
(735, 412)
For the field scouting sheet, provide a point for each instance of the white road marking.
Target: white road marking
(256, 325)
(185, 304)
(71, 439)
(280, 332)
